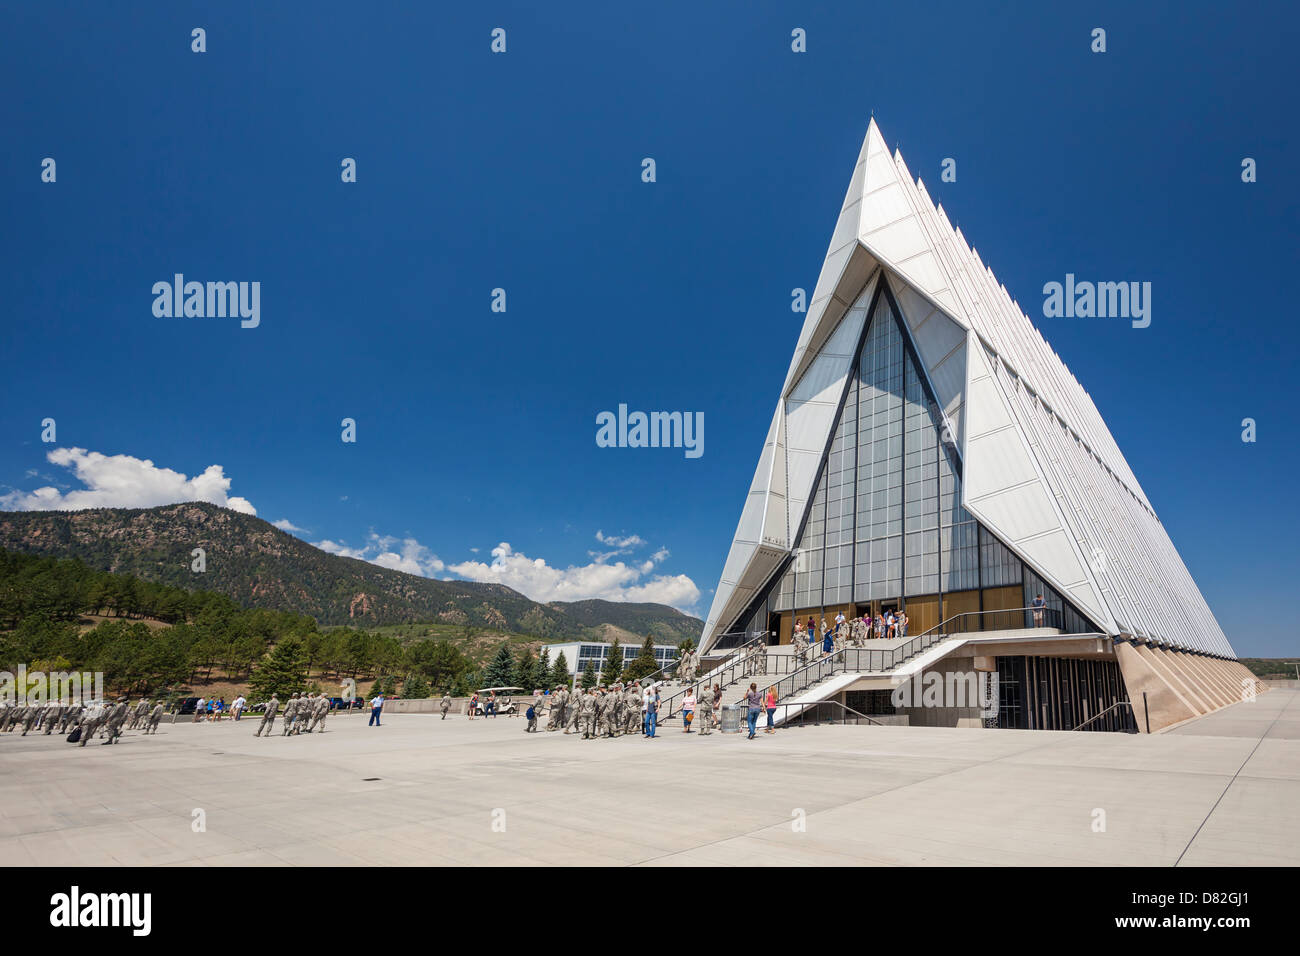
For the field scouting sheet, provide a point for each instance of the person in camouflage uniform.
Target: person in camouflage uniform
(558, 699)
(573, 711)
(30, 716)
(154, 719)
(54, 712)
(268, 717)
(139, 714)
(92, 718)
(587, 715)
(290, 715)
(69, 717)
(318, 715)
(704, 706)
(117, 719)
(445, 705)
(618, 721)
(603, 701)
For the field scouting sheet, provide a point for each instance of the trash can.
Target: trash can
(731, 718)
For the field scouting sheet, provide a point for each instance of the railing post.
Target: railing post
(1146, 712)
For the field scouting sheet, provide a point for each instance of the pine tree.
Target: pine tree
(501, 671)
(645, 663)
(280, 672)
(542, 675)
(589, 675)
(525, 671)
(416, 687)
(560, 671)
(614, 663)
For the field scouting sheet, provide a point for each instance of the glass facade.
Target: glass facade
(885, 522)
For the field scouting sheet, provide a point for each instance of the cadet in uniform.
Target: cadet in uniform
(30, 716)
(704, 704)
(446, 705)
(53, 711)
(154, 719)
(68, 718)
(573, 711)
(602, 712)
(139, 714)
(556, 717)
(268, 717)
(322, 711)
(91, 719)
(587, 714)
(117, 718)
(290, 714)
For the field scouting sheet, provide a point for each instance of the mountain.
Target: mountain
(258, 565)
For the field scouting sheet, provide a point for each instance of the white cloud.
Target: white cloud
(405, 554)
(337, 547)
(284, 524)
(535, 579)
(412, 557)
(123, 481)
(631, 541)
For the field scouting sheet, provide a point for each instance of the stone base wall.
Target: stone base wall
(1180, 685)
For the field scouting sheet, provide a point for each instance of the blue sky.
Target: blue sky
(522, 171)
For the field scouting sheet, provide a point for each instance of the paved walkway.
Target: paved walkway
(483, 792)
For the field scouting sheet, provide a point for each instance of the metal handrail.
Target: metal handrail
(818, 670)
(1050, 613)
(721, 643)
(1103, 713)
(884, 659)
(738, 658)
(833, 703)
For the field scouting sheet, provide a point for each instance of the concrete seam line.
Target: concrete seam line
(1233, 780)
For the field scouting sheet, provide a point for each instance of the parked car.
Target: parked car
(340, 703)
(186, 705)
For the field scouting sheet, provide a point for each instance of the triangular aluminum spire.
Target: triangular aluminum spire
(1041, 470)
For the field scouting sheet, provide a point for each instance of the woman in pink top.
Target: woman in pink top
(770, 704)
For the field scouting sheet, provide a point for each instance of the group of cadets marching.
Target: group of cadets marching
(81, 721)
(304, 713)
(595, 712)
(613, 711)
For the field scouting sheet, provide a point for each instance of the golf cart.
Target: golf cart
(505, 704)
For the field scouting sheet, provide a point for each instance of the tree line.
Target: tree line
(156, 640)
(43, 601)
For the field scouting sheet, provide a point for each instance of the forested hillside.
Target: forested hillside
(259, 566)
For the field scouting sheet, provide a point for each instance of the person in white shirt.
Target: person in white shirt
(647, 701)
(688, 710)
(238, 706)
(376, 708)
(200, 709)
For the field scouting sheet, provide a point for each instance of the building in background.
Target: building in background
(578, 653)
(930, 453)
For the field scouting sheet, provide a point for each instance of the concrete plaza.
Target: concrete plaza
(422, 791)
